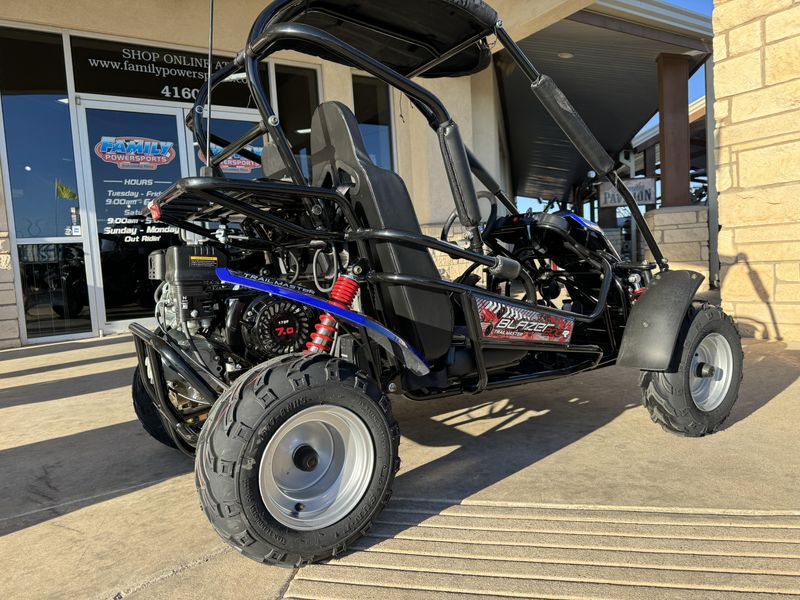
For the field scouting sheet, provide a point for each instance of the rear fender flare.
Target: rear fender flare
(655, 321)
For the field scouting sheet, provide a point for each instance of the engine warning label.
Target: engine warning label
(209, 262)
(501, 321)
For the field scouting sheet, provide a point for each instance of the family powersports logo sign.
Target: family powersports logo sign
(134, 152)
(235, 163)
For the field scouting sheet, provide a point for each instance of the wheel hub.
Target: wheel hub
(705, 370)
(305, 458)
(316, 467)
(711, 372)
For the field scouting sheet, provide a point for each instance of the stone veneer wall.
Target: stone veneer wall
(450, 268)
(9, 323)
(757, 85)
(682, 236)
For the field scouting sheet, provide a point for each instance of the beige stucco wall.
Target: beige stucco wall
(757, 81)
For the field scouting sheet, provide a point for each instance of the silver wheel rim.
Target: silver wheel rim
(317, 467)
(711, 372)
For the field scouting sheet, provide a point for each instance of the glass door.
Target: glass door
(46, 214)
(131, 154)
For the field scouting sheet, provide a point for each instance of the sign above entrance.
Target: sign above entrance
(643, 189)
(136, 71)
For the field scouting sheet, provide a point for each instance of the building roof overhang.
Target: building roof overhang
(611, 78)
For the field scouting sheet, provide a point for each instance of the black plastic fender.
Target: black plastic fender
(655, 320)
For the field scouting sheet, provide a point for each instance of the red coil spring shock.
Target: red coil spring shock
(342, 295)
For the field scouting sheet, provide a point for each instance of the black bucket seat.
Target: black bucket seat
(381, 201)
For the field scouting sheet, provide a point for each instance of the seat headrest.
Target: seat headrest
(335, 136)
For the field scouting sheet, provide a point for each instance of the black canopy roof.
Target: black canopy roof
(407, 34)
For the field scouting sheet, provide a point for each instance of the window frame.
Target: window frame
(392, 118)
(273, 80)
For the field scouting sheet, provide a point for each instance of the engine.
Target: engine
(223, 328)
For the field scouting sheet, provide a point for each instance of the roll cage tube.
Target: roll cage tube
(453, 151)
(475, 166)
(268, 30)
(457, 162)
(570, 122)
(460, 288)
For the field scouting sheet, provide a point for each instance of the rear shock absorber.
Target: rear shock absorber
(342, 295)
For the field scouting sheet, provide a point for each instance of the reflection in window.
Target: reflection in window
(373, 112)
(54, 290)
(236, 166)
(41, 164)
(298, 97)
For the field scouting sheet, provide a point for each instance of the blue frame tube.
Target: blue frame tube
(388, 340)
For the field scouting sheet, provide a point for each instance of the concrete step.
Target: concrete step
(584, 556)
(428, 549)
(780, 519)
(352, 583)
(600, 542)
(597, 526)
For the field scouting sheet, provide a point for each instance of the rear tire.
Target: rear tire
(297, 459)
(146, 412)
(696, 396)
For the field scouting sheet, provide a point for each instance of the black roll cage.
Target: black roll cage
(271, 29)
(273, 26)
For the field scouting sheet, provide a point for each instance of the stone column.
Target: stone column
(673, 108)
(682, 235)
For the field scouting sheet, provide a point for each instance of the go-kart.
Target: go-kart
(297, 307)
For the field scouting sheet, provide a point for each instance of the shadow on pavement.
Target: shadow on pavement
(486, 438)
(68, 387)
(44, 480)
(501, 433)
(43, 369)
(769, 368)
(46, 349)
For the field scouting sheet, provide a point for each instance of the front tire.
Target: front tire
(697, 394)
(297, 459)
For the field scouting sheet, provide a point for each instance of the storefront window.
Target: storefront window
(41, 163)
(42, 178)
(373, 112)
(56, 298)
(298, 97)
(137, 71)
(133, 153)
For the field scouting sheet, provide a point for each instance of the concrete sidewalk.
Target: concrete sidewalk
(558, 489)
